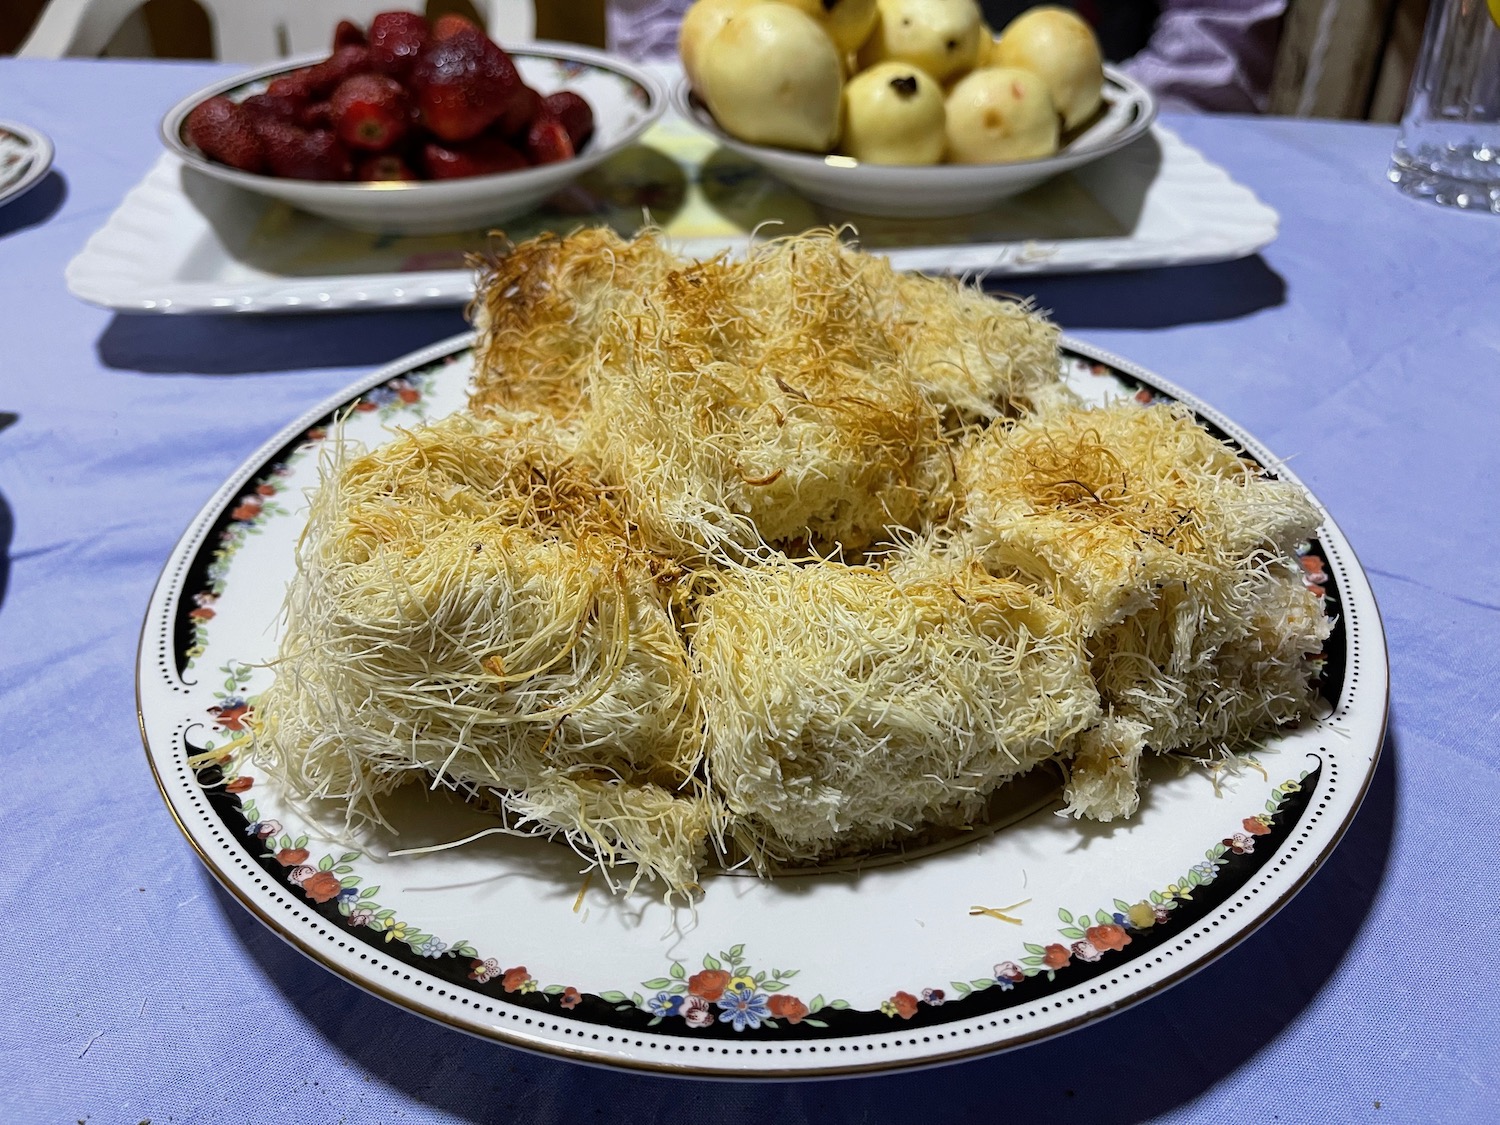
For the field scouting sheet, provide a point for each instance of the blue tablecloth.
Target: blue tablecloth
(1364, 344)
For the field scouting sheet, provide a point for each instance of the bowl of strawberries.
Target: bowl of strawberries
(408, 127)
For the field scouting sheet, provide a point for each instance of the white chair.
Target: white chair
(248, 31)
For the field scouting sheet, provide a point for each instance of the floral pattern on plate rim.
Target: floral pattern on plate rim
(728, 990)
(257, 503)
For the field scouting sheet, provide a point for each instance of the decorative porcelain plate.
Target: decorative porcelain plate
(1026, 928)
(25, 157)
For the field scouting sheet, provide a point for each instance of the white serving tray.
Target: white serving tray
(180, 242)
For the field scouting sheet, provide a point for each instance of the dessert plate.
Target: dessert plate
(1030, 927)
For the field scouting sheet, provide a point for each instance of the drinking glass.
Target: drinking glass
(1448, 149)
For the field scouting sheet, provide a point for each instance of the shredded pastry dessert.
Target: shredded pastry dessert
(776, 559)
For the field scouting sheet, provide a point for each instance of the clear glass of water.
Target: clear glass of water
(1448, 149)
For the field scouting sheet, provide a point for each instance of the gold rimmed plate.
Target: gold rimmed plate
(1019, 933)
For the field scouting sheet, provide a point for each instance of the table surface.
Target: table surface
(1364, 345)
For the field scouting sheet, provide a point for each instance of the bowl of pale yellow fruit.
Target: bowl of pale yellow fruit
(905, 108)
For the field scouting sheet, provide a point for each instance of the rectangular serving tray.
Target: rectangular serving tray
(182, 243)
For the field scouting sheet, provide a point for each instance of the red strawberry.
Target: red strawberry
(316, 115)
(226, 133)
(276, 107)
(348, 34)
(303, 154)
(547, 140)
(326, 157)
(396, 39)
(576, 115)
(462, 84)
(478, 157)
(451, 24)
(383, 166)
(324, 77)
(294, 85)
(370, 112)
(517, 118)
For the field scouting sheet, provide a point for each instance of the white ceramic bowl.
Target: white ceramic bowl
(933, 191)
(626, 101)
